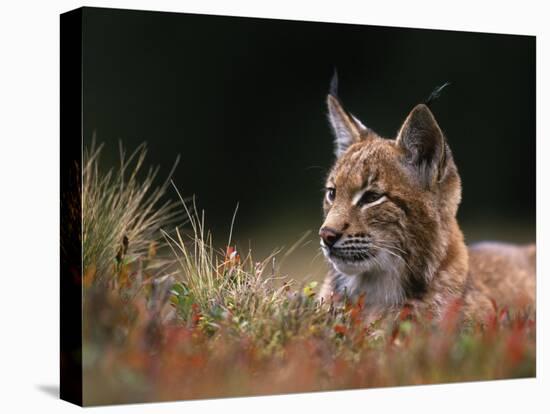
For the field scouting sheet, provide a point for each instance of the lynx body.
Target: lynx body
(390, 231)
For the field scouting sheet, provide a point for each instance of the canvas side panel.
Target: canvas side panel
(71, 206)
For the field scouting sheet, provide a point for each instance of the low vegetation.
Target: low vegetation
(167, 315)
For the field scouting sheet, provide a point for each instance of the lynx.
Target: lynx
(390, 232)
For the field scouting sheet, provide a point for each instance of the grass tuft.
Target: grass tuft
(123, 212)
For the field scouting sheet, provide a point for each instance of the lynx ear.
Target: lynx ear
(424, 145)
(346, 128)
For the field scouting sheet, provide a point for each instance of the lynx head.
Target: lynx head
(390, 204)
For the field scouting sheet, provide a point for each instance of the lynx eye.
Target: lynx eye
(330, 194)
(369, 197)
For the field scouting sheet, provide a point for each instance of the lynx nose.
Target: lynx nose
(329, 236)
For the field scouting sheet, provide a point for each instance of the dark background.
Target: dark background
(243, 101)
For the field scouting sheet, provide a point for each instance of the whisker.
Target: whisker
(386, 249)
(387, 243)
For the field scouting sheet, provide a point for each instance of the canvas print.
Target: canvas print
(259, 206)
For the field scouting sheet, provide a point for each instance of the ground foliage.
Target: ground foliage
(173, 317)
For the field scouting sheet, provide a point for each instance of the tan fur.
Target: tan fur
(408, 247)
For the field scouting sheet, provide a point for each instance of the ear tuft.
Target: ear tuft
(333, 90)
(346, 128)
(436, 93)
(423, 144)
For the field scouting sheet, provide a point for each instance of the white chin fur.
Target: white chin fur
(352, 269)
(385, 289)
